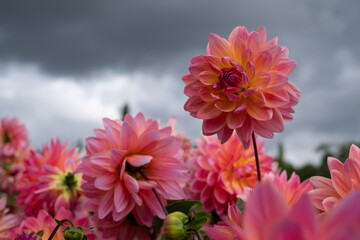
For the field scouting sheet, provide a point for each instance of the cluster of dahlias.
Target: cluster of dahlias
(138, 180)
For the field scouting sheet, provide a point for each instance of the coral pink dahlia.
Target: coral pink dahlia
(223, 172)
(345, 178)
(50, 180)
(241, 84)
(125, 161)
(292, 189)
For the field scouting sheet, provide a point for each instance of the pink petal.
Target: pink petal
(138, 160)
(254, 41)
(285, 66)
(263, 61)
(105, 181)
(127, 137)
(219, 46)
(212, 126)
(106, 205)
(188, 78)
(262, 35)
(116, 158)
(260, 80)
(276, 99)
(224, 134)
(234, 121)
(208, 111)
(225, 106)
(121, 198)
(130, 183)
(256, 109)
(208, 77)
(278, 80)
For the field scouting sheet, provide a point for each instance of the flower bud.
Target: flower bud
(72, 233)
(174, 226)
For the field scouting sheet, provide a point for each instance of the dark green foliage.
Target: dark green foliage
(338, 151)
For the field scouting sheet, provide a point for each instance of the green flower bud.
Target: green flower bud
(174, 226)
(72, 233)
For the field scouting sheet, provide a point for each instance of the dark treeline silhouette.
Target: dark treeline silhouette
(338, 151)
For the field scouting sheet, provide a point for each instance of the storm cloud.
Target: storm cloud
(67, 64)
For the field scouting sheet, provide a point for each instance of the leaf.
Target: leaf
(240, 205)
(183, 206)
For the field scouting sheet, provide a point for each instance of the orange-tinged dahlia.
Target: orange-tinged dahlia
(345, 178)
(125, 162)
(223, 172)
(241, 84)
(51, 180)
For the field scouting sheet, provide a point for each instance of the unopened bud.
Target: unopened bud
(72, 233)
(174, 226)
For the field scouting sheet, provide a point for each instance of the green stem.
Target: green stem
(198, 234)
(256, 157)
(58, 226)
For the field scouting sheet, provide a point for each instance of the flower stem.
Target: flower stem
(156, 195)
(256, 157)
(198, 234)
(58, 226)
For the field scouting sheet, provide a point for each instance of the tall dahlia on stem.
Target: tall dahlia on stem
(241, 84)
(51, 180)
(132, 166)
(223, 172)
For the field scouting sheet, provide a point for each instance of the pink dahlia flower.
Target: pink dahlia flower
(269, 217)
(241, 84)
(13, 137)
(14, 147)
(125, 161)
(7, 221)
(345, 178)
(292, 189)
(343, 221)
(232, 228)
(42, 222)
(50, 180)
(223, 172)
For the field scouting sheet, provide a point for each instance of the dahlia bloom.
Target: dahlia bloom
(7, 221)
(13, 137)
(241, 84)
(223, 172)
(125, 161)
(292, 189)
(231, 228)
(343, 221)
(345, 178)
(14, 147)
(269, 217)
(50, 180)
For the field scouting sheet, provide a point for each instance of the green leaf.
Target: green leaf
(183, 206)
(196, 223)
(40, 233)
(240, 205)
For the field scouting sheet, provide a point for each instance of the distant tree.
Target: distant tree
(338, 151)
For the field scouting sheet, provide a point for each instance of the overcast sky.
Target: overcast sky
(64, 65)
